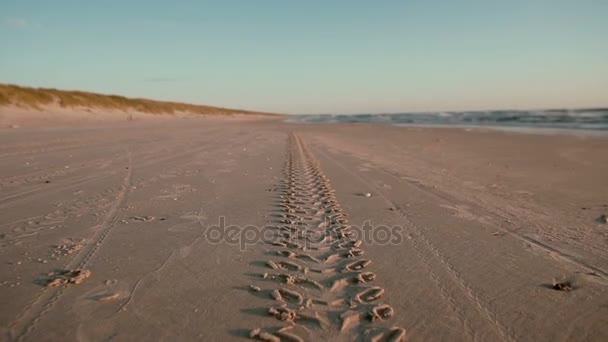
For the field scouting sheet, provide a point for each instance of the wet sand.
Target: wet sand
(485, 222)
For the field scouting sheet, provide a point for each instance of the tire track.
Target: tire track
(42, 304)
(153, 159)
(318, 277)
(596, 271)
(142, 165)
(47, 172)
(49, 149)
(164, 264)
(45, 190)
(428, 252)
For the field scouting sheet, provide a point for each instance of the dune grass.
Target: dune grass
(38, 98)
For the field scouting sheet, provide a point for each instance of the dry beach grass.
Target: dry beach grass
(39, 98)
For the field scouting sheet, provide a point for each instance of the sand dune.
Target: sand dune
(330, 232)
(28, 106)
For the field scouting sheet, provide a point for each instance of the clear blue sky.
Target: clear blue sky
(315, 56)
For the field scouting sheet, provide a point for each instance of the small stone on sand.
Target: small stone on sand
(108, 298)
(68, 277)
(254, 288)
(564, 286)
(143, 218)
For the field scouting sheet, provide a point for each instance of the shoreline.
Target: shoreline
(512, 129)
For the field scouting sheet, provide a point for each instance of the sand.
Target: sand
(469, 232)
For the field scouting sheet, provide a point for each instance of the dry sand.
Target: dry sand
(117, 211)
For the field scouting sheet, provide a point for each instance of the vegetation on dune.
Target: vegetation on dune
(37, 98)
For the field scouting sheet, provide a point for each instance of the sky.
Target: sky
(315, 56)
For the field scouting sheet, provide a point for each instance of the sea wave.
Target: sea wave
(586, 119)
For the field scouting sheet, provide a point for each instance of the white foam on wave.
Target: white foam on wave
(578, 119)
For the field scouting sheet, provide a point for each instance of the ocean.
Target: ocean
(579, 119)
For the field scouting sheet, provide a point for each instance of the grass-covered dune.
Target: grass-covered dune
(39, 98)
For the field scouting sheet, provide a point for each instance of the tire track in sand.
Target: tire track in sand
(318, 277)
(75, 181)
(42, 304)
(429, 252)
(595, 272)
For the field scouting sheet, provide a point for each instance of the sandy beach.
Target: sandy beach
(120, 231)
